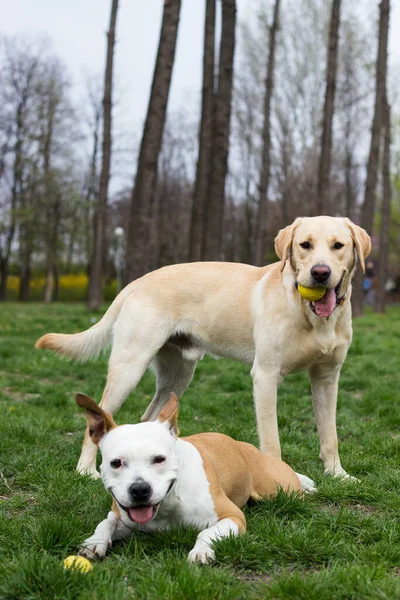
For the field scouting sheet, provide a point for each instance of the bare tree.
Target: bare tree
(95, 294)
(262, 217)
(384, 235)
(28, 217)
(368, 207)
(51, 91)
(214, 210)
(91, 184)
(205, 136)
(19, 77)
(323, 190)
(137, 257)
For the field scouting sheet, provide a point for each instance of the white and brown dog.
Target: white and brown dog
(158, 480)
(169, 318)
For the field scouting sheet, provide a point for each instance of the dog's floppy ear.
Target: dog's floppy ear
(361, 240)
(99, 422)
(169, 414)
(283, 241)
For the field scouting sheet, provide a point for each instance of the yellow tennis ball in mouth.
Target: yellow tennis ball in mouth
(312, 294)
(78, 563)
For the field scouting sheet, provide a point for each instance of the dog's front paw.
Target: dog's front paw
(93, 549)
(307, 485)
(201, 553)
(88, 471)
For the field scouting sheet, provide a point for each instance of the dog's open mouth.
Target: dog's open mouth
(142, 514)
(329, 301)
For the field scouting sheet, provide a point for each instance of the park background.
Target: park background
(200, 140)
(296, 112)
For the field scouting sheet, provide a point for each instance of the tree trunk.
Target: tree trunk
(137, 255)
(350, 195)
(51, 285)
(91, 194)
(262, 217)
(205, 137)
(380, 302)
(25, 281)
(214, 209)
(323, 188)
(4, 277)
(95, 292)
(26, 250)
(368, 207)
(15, 194)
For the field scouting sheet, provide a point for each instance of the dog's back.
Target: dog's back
(240, 469)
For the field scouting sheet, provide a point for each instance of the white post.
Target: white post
(119, 255)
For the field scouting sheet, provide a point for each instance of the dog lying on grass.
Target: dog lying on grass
(158, 480)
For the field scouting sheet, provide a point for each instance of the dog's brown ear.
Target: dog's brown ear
(361, 240)
(99, 422)
(283, 241)
(169, 414)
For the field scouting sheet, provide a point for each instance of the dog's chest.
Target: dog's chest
(309, 347)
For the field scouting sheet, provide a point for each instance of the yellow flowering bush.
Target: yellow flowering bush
(73, 287)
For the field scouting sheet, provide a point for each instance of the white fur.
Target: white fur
(307, 484)
(202, 551)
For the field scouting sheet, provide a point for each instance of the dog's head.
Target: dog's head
(322, 252)
(139, 465)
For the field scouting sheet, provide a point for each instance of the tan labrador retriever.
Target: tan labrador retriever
(169, 318)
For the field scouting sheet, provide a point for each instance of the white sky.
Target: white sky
(77, 29)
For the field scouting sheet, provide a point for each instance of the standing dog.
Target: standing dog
(157, 480)
(170, 317)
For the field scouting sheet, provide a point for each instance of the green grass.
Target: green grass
(342, 543)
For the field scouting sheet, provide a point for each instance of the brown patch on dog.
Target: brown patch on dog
(99, 422)
(48, 341)
(238, 472)
(169, 413)
(115, 508)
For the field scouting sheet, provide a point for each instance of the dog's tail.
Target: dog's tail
(89, 343)
(307, 484)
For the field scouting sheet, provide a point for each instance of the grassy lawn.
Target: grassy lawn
(342, 543)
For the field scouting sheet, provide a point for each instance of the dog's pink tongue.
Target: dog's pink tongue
(326, 306)
(141, 514)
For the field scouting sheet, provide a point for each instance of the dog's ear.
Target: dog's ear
(99, 422)
(361, 240)
(283, 241)
(169, 414)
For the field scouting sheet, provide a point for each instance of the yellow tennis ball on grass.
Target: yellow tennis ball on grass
(312, 294)
(78, 563)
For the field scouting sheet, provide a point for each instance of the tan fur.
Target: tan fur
(115, 508)
(238, 472)
(169, 413)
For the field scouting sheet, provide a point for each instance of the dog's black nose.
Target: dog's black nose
(320, 273)
(140, 491)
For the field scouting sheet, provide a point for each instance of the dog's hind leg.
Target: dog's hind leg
(133, 349)
(123, 377)
(173, 373)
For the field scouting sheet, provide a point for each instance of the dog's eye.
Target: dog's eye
(158, 459)
(338, 245)
(116, 463)
(305, 245)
